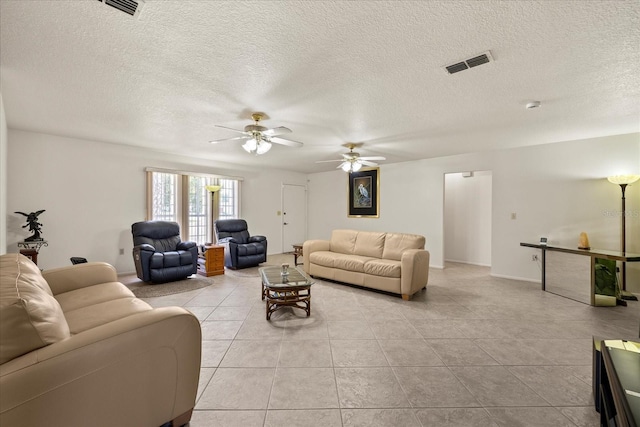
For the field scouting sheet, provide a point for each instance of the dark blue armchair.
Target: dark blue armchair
(158, 253)
(241, 250)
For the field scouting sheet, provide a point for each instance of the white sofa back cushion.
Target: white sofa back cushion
(396, 243)
(369, 243)
(374, 244)
(343, 241)
(30, 317)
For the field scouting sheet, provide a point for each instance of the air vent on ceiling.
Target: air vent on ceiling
(130, 7)
(483, 58)
(456, 68)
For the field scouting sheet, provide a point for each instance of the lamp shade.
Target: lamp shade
(213, 188)
(251, 145)
(623, 179)
(263, 147)
(351, 166)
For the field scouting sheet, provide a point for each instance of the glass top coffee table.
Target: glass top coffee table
(292, 290)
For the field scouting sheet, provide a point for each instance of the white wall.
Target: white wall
(557, 190)
(3, 179)
(467, 218)
(93, 192)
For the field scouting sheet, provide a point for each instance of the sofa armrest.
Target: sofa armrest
(256, 239)
(185, 246)
(311, 246)
(144, 247)
(415, 271)
(65, 279)
(227, 240)
(139, 370)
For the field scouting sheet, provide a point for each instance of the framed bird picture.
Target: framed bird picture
(364, 193)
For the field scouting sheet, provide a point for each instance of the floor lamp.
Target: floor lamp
(215, 207)
(623, 181)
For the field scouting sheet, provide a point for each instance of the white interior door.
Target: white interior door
(294, 215)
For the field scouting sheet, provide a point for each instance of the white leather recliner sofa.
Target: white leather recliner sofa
(77, 348)
(392, 262)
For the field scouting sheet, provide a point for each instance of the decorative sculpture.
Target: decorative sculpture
(34, 225)
(584, 241)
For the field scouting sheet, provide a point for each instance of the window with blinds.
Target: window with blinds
(185, 199)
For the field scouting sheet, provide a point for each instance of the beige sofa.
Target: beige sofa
(392, 262)
(77, 348)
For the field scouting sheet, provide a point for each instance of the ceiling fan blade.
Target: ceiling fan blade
(232, 129)
(373, 158)
(215, 141)
(283, 141)
(329, 161)
(276, 131)
(367, 163)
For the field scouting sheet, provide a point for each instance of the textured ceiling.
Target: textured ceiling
(332, 71)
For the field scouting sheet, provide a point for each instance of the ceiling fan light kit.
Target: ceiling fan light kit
(351, 166)
(352, 162)
(256, 145)
(259, 139)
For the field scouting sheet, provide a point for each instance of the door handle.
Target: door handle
(286, 223)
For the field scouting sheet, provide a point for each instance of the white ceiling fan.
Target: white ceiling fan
(259, 138)
(352, 161)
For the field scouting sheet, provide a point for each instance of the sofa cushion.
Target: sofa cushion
(324, 258)
(383, 267)
(30, 317)
(92, 295)
(95, 315)
(396, 243)
(369, 243)
(351, 262)
(343, 241)
(249, 249)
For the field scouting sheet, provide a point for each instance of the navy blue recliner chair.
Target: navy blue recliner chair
(241, 250)
(158, 253)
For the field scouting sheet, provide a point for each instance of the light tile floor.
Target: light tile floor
(471, 350)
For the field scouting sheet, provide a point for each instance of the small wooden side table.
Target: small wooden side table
(297, 251)
(32, 254)
(211, 262)
(32, 248)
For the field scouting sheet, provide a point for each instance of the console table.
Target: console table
(574, 277)
(616, 382)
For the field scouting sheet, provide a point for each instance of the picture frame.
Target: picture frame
(364, 193)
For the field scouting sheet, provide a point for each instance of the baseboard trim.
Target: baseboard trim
(467, 262)
(125, 273)
(522, 279)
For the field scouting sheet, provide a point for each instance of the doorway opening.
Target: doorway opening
(467, 217)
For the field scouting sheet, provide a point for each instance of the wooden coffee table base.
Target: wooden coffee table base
(294, 296)
(289, 289)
